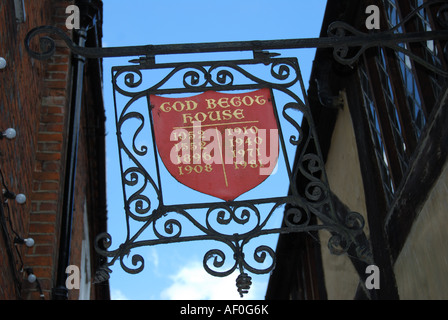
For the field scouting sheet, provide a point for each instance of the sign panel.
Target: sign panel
(217, 143)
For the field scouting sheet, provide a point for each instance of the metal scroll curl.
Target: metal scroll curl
(47, 45)
(197, 77)
(392, 38)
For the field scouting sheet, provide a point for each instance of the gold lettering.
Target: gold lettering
(176, 108)
(211, 104)
(235, 101)
(242, 164)
(260, 100)
(167, 109)
(248, 101)
(217, 118)
(252, 163)
(238, 113)
(191, 105)
(200, 114)
(198, 169)
(217, 115)
(227, 115)
(224, 103)
(187, 117)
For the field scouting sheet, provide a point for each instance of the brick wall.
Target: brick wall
(21, 90)
(35, 100)
(48, 171)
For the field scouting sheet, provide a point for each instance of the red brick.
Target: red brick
(43, 250)
(52, 118)
(48, 156)
(48, 186)
(44, 238)
(42, 196)
(38, 166)
(51, 128)
(50, 146)
(49, 137)
(53, 110)
(52, 92)
(48, 207)
(59, 59)
(58, 67)
(43, 217)
(41, 228)
(56, 75)
(42, 272)
(47, 176)
(40, 260)
(56, 84)
(53, 101)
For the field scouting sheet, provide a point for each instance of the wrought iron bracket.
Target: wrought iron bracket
(306, 210)
(348, 43)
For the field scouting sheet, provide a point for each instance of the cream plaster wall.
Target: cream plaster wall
(344, 176)
(421, 269)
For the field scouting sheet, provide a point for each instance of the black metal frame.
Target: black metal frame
(314, 200)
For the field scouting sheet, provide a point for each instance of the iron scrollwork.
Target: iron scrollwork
(220, 219)
(393, 38)
(306, 208)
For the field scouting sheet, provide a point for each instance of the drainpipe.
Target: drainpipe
(60, 291)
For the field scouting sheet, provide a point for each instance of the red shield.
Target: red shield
(216, 143)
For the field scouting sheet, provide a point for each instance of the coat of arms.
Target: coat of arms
(217, 143)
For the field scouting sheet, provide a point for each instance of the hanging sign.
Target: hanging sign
(217, 143)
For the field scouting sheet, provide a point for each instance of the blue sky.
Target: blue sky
(175, 271)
